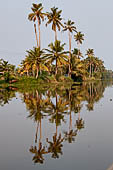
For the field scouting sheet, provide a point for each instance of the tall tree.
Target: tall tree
(39, 15)
(56, 53)
(69, 26)
(54, 17)
(90, 54)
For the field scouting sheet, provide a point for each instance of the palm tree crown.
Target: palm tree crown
(54, 17)
(69, 25)
(36, 57)
(90, 52)
(56, 53)
(79, 37)
(37, 13)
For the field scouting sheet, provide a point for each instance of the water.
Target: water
(59, 127)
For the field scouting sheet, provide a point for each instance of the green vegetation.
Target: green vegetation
(55, 64)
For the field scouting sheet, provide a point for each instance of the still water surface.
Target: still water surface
(55, 128)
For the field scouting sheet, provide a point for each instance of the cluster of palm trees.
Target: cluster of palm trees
(55, 60)
(6, 70)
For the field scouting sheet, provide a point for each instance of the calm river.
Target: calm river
(57, 127)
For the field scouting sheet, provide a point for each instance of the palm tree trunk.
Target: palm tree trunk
(78, 45)
(69, 55)
(39, 33)
(37, 71)
(56, 67)
(56, 112)
(90, 69)
(55, 35)
(36, 35)
(27, 73)
(33, 73)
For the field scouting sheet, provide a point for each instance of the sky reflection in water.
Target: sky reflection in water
(57, 127)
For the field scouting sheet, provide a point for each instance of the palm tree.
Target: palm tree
(27, 65)
(69, 26)
(56, 53)
(79, 37)
(37, 14)
(54, 17)
(90, 54)
(78, 69)
(77, 53)
(36, 56)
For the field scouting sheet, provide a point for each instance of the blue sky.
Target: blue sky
(93, 18)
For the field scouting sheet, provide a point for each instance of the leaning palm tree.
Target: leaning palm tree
(54, 17)
(37, 14)
(79, 37)
(56, 53)
(69, 26)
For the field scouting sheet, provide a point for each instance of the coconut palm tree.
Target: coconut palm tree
(79, 37)
(39, 15)
(90, 54)
(77, 66)
(54, 18)
(69, 26)
(56, 53)
(37, 60)
(77, 53)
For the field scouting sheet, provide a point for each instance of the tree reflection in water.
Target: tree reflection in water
(6, 95)
(56, 105)
(38, 153)
(55, 147)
